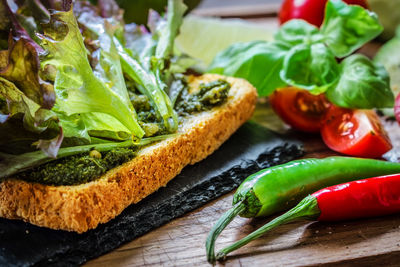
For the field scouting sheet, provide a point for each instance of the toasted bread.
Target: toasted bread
(82, 207)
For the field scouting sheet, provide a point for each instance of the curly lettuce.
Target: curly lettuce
(78, 89)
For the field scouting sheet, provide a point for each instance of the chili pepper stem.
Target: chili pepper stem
(307, 209)
(219, 227)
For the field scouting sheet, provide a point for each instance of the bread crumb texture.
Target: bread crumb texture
(82, 207)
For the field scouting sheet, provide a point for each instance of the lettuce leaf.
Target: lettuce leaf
(22, 68)
(20, 64)
(77, 87)
(168, 32)
(26, 121)
(136, 64)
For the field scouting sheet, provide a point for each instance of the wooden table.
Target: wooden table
(181, 242)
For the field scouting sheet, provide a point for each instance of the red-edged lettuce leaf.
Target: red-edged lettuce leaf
(22, 68)
(21, 64)
(25, 122)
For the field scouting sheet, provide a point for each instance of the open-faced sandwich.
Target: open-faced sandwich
(96, 114)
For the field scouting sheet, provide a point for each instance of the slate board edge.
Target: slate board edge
(215, 187)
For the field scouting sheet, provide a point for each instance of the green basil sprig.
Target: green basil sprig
(312, 67)
(347, 27)
(362, 84)
(306, 57)
(258, 62)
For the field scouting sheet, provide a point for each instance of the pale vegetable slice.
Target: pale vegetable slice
(203, 38)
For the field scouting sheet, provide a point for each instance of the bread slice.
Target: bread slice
(82, 207)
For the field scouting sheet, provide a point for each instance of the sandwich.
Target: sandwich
(96, 114)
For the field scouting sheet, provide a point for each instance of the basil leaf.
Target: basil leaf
(259, 62)
(312, 67)
(298, 31)
(363, 85)
(347, 27)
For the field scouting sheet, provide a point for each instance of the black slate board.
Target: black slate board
(250, 149)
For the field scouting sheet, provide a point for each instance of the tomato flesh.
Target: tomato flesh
(355, 132)
(311, 11)
(397, 108)
(300, 109)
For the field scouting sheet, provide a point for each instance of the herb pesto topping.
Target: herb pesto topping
(209, 95)
(78, 169)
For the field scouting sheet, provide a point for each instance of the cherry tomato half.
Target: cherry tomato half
(355, 132)
(310, 10)
(397, 108)
(300, 109)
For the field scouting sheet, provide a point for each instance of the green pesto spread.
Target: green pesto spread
(88, 167)
(209, 95)
(78, 169)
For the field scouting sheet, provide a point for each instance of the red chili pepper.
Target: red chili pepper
(371, 197)
(365, 198)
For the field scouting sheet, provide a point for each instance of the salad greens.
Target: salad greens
(306, 57)
(145, 68)
(77, 87)
(70, 83)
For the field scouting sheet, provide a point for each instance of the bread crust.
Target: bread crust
(80, 208)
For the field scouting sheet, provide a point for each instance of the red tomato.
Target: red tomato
(355, 132)
(310, 10)
(397, 108)
(300, 109)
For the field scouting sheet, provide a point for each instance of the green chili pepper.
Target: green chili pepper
(281, 187)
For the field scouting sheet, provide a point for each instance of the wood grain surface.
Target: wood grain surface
(368, 242)
(365, 242)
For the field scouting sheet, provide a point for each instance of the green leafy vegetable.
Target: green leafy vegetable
(258, 62)
(22, 68)
(297, 31)
(166, 33)
(20, 64)
(363, 84)
(149, 87)
(346, 28)
(136, 64)
(33, 119)
(17, 101)
(51, 146)
(312, 67)
(78, 89)
(104, 126)
(170, 29)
